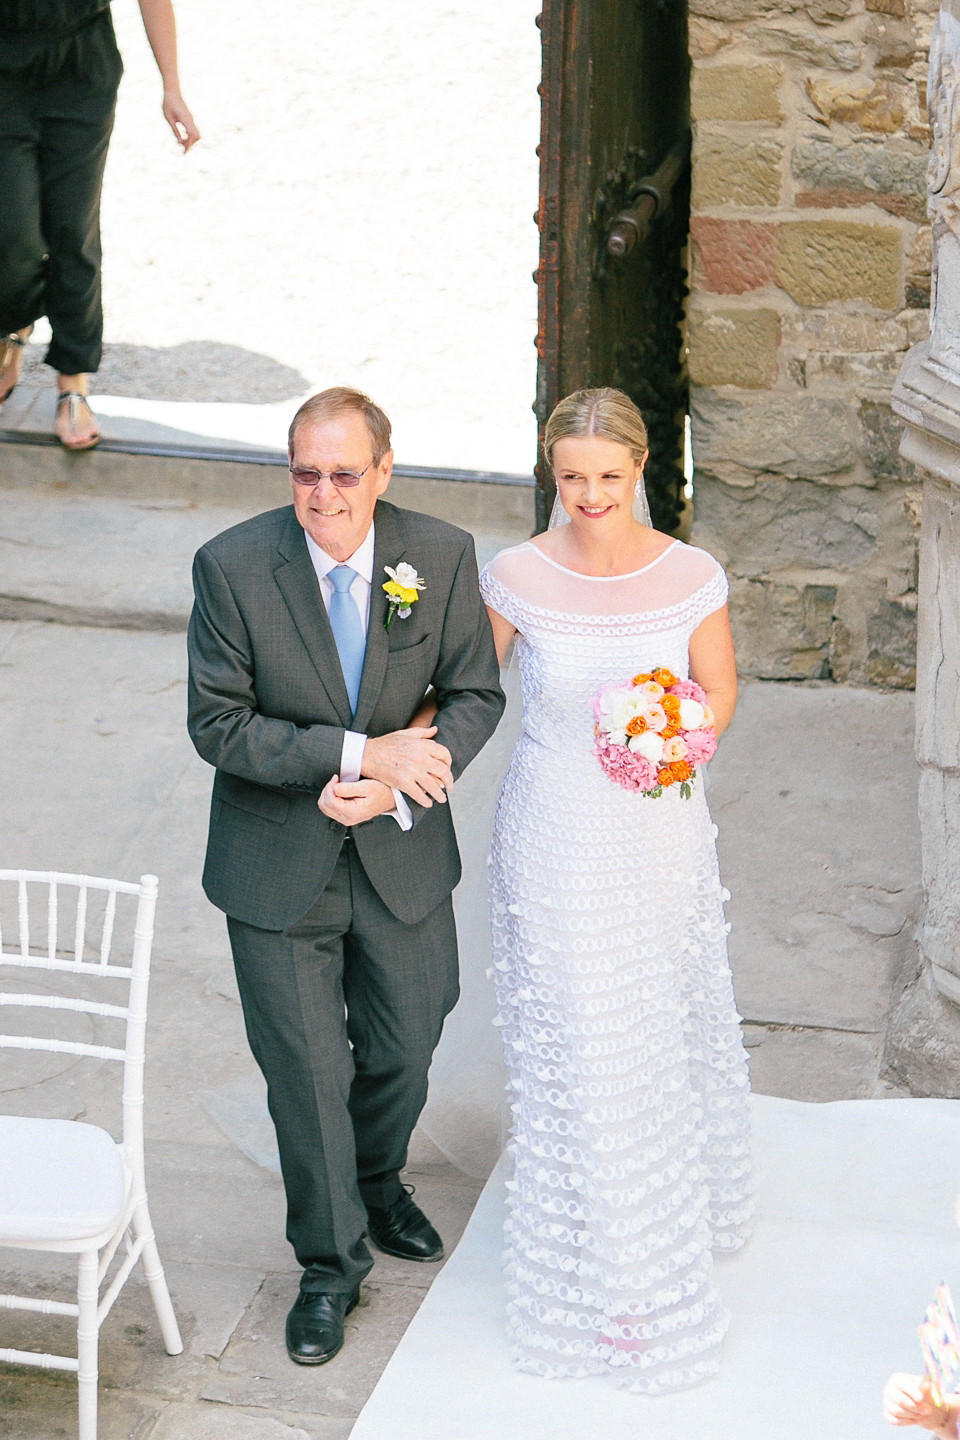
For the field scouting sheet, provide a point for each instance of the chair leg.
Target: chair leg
(87, 1343)
(153, 1270)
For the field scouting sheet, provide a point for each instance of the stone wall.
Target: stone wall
(810, 279)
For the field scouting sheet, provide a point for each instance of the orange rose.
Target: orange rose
(672, 727)
(671, 703)
(665, 776)
(637, 725)
(666, 678)
(682, 770)
(641, 679)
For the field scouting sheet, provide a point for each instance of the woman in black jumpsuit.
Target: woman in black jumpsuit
(59, 72)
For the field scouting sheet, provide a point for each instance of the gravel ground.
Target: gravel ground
(359, 211)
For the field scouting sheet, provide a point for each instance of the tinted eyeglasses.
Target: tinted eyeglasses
(343, 479)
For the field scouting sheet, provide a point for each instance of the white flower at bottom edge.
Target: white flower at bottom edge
(649, 745)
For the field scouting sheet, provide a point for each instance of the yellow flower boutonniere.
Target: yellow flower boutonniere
(402, 590)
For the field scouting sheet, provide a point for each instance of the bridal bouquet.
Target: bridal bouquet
(652, 731)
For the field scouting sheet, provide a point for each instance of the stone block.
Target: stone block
(732, 256)
(922, 1048)
(806, 331)
(733, 10)
(796, 435)
(736, 92)
(919, 265)
(896, 8)
(706, 37)
(874, 369)
(892, 643)
(728, 171)
(938, 651)
(894, 42)
(862, 174)
(781, 632)
(780, 525)
(940, 828)
(880, 434)
(823, 260)
(734, 347)
(828, 12)
(876, 107)
(803, 45)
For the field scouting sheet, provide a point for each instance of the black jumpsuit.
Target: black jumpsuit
(59, 73)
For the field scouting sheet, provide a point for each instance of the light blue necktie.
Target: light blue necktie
(347, 629)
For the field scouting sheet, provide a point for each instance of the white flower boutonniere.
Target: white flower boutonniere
(402, 590)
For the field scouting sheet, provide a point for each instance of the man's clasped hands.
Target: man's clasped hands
(409, 760)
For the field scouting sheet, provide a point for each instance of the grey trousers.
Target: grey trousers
(343, 1012)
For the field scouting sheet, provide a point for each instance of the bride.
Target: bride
(629, 1078)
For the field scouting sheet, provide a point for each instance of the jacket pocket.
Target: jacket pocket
(403, 653)
(254, 799)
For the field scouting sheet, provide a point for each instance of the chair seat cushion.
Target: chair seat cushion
(59, 1180)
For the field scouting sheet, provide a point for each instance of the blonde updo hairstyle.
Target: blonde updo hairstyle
(607, 413)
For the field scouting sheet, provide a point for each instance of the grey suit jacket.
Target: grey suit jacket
(268, 707)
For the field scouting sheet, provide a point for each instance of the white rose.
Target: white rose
(405, 575)
(612, 700)
(618, 737)
(649, 745)
(624, 711)
(691, 715)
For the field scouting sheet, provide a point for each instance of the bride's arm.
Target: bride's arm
(503, 633)
(713, 665)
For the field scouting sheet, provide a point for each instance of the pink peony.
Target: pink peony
(689, 690)
(700, 744)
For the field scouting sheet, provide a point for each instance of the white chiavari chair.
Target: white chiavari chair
(65, 1185)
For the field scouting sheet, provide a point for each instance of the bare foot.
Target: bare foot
(76, 426)
(11, 358)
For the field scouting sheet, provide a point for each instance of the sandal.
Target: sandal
(9, 345)
(76, 398)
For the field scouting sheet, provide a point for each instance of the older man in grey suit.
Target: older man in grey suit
(331, 847)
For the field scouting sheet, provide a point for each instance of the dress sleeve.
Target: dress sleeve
(496, 594)
(712, 595)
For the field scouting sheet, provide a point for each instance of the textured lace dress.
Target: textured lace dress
(631, 1124)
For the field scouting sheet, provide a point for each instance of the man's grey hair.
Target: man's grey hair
(342, 400)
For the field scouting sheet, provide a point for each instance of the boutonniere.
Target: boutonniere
(402, 590)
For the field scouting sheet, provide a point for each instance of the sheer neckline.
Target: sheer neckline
(627, 575)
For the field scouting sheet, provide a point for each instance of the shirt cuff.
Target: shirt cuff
(351, 756)
(402, 813)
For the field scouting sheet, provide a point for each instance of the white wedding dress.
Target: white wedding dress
(629, 1077)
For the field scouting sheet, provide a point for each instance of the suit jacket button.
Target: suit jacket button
(337, 827)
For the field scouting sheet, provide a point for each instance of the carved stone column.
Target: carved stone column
(923, 1040)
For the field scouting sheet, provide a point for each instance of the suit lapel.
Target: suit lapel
(388, 549)
(300, 588)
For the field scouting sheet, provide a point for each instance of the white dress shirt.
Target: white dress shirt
(351, 756)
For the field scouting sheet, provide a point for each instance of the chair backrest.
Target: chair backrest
(85, 949)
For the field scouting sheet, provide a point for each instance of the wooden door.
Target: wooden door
(615, 107)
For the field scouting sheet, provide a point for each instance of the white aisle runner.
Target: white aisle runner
(855, 1230)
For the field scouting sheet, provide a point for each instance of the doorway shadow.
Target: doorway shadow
(197, 370)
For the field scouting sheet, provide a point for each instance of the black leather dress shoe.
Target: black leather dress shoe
(403, 1230)
(315, 1326)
